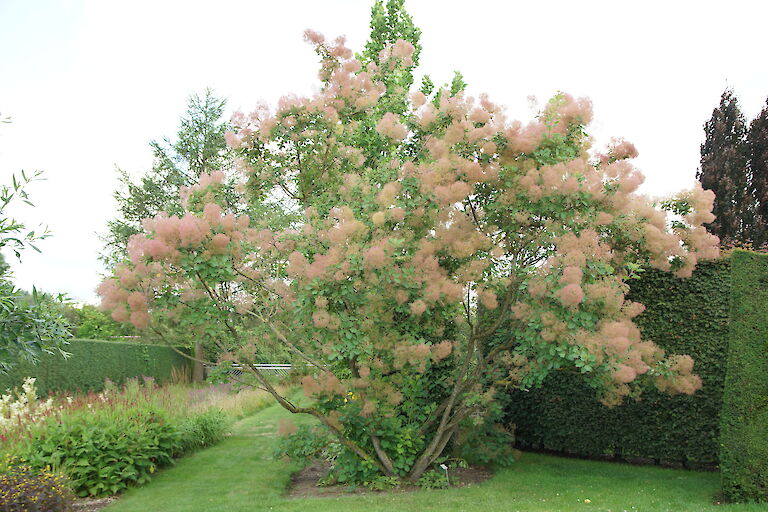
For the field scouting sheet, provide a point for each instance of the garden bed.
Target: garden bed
(305, 483)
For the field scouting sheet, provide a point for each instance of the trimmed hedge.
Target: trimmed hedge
(744, 453)
(91, 362)
(684, 316)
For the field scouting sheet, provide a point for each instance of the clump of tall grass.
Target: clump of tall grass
(236, 404)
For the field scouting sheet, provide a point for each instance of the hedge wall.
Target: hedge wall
(93, 361)
(685, 316)
(744, 453)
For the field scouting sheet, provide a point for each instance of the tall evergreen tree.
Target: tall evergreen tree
(724, 169)
(757, 141)
(199, 148)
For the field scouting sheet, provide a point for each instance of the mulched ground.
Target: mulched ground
(303, 483)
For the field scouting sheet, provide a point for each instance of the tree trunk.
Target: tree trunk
(198, 372)
(431, 454)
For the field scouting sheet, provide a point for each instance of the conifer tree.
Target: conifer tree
(757, 141)
(199, 148)
(724, 169)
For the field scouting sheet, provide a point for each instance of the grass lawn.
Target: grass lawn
(239, 474)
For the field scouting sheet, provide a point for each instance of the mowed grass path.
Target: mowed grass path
(240, 474)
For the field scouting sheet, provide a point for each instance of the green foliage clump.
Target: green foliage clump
(486, 444)
(688, 316)
(24, 488)
(30, 324)
(104, 454)
(107, 442)
(91, 362)
(94, 324)
(433, 480)
(383, 483)
(204, 429)
(307, 443)
(744, 434)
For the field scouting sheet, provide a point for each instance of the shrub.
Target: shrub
(26, 489)
(429, 221)
(96, 324)
(383, 483)
(433, 480)
(744, 432)
(120, 437)
(487, 440)
(104, 455)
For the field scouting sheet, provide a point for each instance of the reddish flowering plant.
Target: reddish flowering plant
(445, 253)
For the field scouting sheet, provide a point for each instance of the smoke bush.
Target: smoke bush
(446, 252)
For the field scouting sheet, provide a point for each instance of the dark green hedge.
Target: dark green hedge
(684, 316)
(93, 361)
(744, 453)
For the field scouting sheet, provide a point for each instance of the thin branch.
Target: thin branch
(287, 342)
(474, 213)
(285, 189)
(467, 312)
(182, 353)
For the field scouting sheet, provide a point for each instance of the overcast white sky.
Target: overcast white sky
(89, 83)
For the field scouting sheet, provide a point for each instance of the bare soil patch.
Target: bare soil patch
(303, 483)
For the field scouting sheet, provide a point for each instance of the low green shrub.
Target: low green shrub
(382, 483)
(108, 441)
(434, 479)
(25, 489)
(104, 455)
(306, 443)
(488, 441)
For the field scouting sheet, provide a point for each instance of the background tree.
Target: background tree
(464, 253)
(199, 148)
(757, 142)
(723, 170)
(94, 324)
(30, 324)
